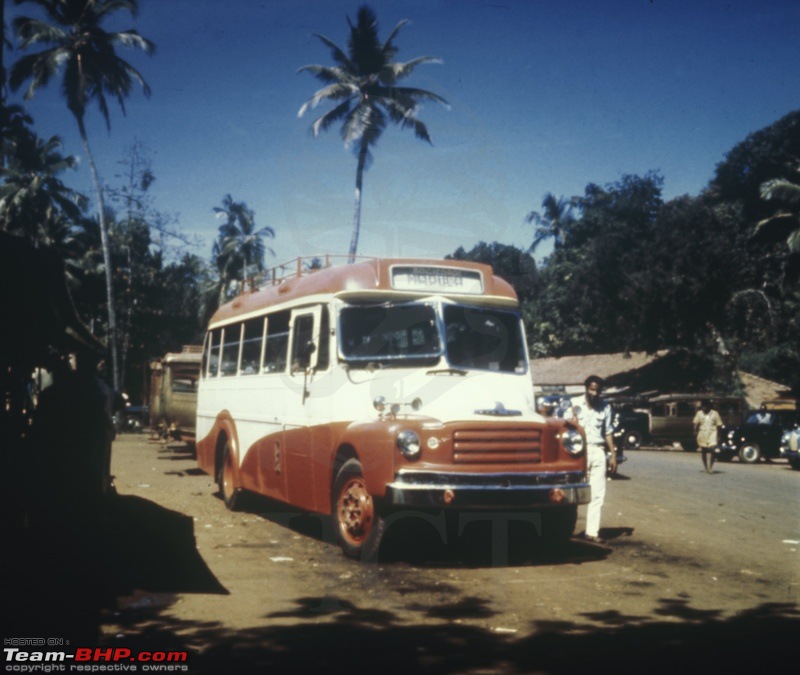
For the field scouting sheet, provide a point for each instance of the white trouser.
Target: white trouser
(596, 468)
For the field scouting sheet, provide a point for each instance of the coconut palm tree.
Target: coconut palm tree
(84, 53)
(362, 85)
(239, 245)
(785, 222)
(553, 222)
(14, 123)
(34, 202)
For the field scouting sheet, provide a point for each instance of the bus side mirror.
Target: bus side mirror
(303, 360)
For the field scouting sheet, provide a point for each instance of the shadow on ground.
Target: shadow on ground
(675, 638)
(66, 564)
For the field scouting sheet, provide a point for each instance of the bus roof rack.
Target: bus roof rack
(302, 265)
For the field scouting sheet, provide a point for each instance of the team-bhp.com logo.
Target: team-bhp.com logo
(93, 660)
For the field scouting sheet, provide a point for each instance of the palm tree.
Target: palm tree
(363, 87)
(786, 221)
(14, 123)
(239, 244)
(85, 53)
(553, 222)
(33, 200)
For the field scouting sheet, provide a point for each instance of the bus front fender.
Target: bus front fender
(374, 445)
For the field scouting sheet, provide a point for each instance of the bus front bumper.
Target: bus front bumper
(480, 491)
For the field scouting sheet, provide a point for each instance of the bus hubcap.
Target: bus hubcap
(356, 512)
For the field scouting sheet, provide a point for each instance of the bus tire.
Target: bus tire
(359, 526)
(225, 479)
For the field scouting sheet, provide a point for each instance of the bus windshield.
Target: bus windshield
(476, 338)
(390, 332)
(484, 339)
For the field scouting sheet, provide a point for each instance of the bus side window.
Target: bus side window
(184, 378)
(323, 341)
(303, 343)
(214, 341)
(230, 350)
(277, 343)
(251, 346)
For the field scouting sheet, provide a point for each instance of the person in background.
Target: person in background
(707, 423)
(763, 415)
(594, 415)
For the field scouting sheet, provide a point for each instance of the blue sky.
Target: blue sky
(545, 96)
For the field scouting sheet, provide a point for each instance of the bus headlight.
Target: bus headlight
(409, 444)
(572, 442)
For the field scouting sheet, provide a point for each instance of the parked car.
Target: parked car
(131, 419)
(790, 447)
(672, 416)
(756, 438)
(631, 428)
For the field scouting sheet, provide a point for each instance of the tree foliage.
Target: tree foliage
(768, 154)
(508, 262)
(697, 274)
(239, 249)
(553, 222)
(77, 47)
(363, 87)
(34, 201)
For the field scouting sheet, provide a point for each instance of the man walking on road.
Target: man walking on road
(594, 415)
(706, 423)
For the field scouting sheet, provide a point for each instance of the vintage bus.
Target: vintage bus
(172, 393)
(379, 387)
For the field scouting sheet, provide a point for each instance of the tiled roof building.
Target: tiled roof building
(643, 375)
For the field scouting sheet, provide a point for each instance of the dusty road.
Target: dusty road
(701, 573)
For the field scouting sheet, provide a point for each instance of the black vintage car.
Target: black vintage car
(760, 436)
(631, 428)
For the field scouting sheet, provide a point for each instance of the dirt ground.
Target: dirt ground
(700, 573)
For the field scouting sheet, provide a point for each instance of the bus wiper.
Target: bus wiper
(447, 371)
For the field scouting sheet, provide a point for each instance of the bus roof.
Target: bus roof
(183, 357)
(373, 279)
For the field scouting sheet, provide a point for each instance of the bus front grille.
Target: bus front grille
(497, 446)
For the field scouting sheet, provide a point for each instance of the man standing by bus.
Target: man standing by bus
(594, 415)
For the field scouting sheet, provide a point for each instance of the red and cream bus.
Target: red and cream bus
(382, 386)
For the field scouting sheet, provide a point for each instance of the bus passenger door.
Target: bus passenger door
(300, 418)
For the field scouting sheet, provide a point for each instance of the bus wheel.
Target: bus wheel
(227, 488)
(359, 527)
